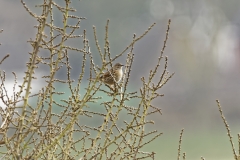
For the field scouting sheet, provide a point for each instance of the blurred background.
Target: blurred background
(203, 50)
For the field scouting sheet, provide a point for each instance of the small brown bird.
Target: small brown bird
(113, 75)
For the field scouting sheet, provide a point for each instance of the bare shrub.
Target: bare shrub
(36, 131)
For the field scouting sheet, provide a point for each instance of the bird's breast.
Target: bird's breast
(120, 73)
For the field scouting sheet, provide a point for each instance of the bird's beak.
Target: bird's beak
(122, 65)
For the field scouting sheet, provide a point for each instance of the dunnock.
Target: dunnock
(113, 75)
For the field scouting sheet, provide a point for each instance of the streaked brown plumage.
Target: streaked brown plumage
(113, 75)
